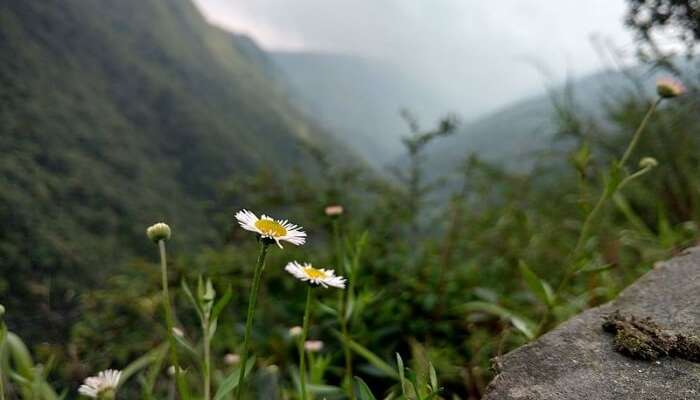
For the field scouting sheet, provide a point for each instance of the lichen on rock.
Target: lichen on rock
(644, 339)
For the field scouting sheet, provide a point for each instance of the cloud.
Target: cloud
(478, 54)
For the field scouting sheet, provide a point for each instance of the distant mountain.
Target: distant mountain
(117, 114)
(358, 99)
(516, 133)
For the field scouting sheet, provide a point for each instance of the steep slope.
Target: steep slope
(114, 115)
(358, 99)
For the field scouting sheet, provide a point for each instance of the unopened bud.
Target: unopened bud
(668, 88)
(171, 370)
(313, 346)
(158, 232)
(648, 162)
(232, 359)
(295, 331)
(2, 310)
(334, 210)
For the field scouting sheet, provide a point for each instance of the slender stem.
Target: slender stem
(304, 335)
(348, 357)
(169, 321)
(590, 218)
(3, 333)
(343, 319)
(251, 314)
(632, 177)
(638, 132)
(207, 359)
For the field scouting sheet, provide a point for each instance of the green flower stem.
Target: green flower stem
(3, 333)
(302, 341)
(108, 395)
(346, 352)
(632, 177)
(343, 319)
(590, 218)
(207, 358)
(638, 132)
(169, 321)
(251, 314)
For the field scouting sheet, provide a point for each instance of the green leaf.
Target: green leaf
(327, 309)
(523, 327)
(231, 381)
(323, 389)
(402, 376)
(372, 358)
(182, 341)
(592, 269)
(190, 296)
(153, 356)
(223, 301)
(537, 286)
(520, 323)
(433, 378)
(362, 390)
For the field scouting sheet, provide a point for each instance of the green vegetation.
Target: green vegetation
(116, 115)
(113, 115)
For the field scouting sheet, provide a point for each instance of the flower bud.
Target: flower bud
(334, 210)
(158, 232)
(648, 162)
(295, 331)
(171, 370)
(2, 310)
(232, 359)
(313, 346)
(668, 88)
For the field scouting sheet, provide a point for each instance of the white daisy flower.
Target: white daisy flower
(323, 277)
(105, 381)
(268, 228)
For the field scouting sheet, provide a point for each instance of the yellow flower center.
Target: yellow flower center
(314, 273)
(271, 228)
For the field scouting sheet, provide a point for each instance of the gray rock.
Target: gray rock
(577, 361)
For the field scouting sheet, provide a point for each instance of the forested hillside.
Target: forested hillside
(114, 115)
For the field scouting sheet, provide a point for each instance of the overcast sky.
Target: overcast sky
(480, 54)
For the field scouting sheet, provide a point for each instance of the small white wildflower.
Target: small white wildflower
(268, 228)
(334, 210)
(232, 359)
(105, 381)
(158, 232)
(313, 346)
(178, 332)
(295, 331)
(323, 277)
(669, 88)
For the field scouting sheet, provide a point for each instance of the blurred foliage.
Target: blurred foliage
(113, 116)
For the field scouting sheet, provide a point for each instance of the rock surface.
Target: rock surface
(577, 361)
